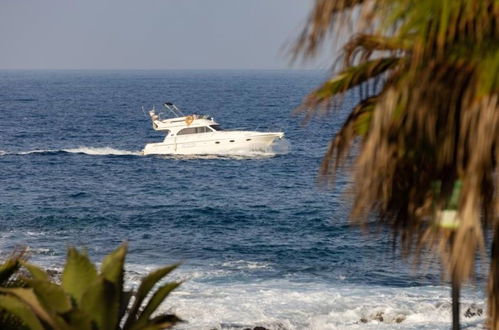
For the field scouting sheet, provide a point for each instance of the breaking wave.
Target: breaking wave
(282, 304)
(102, 151)
(94, 151)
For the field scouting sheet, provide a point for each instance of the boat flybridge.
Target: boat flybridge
(202, 135)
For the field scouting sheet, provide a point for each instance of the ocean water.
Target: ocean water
(262, 244)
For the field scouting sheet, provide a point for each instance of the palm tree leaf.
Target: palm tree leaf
(144, 289)
(79, 320)
(367, 44)
(349, 78)
(488, 71)
(35, 271)
(51, 295)
(435, 121)
(21, 310)
(319, 24)
(156, 300)
(112, 267)
(125, 301)
(357, 124)
(8, 268)
(98, 302)
(79, 273)
(28, 297)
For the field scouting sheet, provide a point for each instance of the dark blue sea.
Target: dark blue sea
(262, 243)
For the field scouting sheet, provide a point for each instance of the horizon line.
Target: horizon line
(163, 69)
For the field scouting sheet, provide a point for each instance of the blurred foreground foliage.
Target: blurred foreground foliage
(85, 298)
(422, 142)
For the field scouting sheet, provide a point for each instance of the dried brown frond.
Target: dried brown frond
(333, 89)
(356, 124)
(429, 141)
(320, 22)
(364, 45)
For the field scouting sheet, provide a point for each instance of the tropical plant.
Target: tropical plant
(9, 277)
(423, 139)
(86, 298)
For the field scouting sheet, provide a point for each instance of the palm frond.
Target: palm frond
(366, 44)
(320, 23)
(432, 127)
(349, 78)
(357, 124)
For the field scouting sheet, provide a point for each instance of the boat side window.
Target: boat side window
(190, 130)
(203, 129)
(216, 127)
(194, 130)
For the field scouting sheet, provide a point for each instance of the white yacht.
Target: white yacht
(202, 135)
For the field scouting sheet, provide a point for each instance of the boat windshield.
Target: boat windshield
(216, 127)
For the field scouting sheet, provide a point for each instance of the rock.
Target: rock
(472, 311)
(54, 274)
(277, 326)
(400, 319)
(381, 316)
(378, 316)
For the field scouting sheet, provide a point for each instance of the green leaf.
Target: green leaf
(51, 295)
(18, 308)
(113, 266)
(145, 287)
(78, 320)
(79, 273)
(454, 198)
(112, 269)
(156, 300)
(125, 301)
(8, 268)
(29, 298)
(97, 302)
(353, 76)
(35, 271)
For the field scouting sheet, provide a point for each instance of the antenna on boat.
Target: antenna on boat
(174, 109)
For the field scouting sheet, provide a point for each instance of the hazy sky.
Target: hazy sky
(148, 34)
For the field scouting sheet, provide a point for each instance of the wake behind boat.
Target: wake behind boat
(202, 135)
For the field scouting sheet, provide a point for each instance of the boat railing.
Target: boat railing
(173, 109)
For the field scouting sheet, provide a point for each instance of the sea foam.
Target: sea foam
(109, 151)
(213, 298)
(283, 305)
(102, 151)
(94, 151)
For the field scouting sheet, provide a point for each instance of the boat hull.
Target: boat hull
(213, 143)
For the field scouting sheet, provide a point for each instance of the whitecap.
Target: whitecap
(37, 151)
(93, 151)
(244, 264)
(102, 151)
